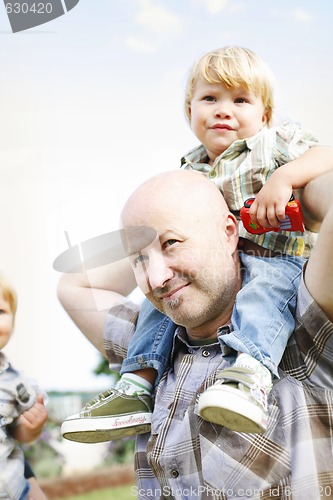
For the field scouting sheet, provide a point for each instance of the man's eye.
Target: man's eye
(170, 242)
(139, 259)
(240, 100)
(209, 98)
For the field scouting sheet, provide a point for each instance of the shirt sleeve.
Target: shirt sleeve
(292, 141)
(314, 339)
(119, 328)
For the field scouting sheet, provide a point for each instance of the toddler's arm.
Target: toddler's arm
(269, 206)
(31, 422)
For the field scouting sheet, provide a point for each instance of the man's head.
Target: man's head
(229, 96)
(190, 271)
(8, 305)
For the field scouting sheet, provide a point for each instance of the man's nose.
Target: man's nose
(159, 270)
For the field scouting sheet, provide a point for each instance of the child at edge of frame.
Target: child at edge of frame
(22, 410)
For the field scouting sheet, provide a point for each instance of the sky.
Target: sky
(92, 105)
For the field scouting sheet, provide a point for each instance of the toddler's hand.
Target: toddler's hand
(33, 419)
(268, 208)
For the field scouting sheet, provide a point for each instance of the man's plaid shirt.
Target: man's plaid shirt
(186, 457)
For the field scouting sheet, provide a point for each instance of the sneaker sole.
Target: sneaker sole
(101, 429)
(223, 413)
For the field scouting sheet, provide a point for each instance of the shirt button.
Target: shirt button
(212, 174)
(205, 353)
(174, 473)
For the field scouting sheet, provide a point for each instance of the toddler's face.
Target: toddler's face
(6, 321)
(220, 116)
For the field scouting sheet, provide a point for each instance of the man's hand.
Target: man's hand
(31, 422)
(268, 208)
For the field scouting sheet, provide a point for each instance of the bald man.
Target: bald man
(192, 273)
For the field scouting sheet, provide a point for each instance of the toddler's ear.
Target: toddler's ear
(189, 111)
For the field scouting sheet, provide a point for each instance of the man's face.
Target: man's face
(220, 116)
(188, 271)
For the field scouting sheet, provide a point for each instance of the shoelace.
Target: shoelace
(100, 397)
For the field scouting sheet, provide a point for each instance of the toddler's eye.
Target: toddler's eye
(240, 100)
(209, 98)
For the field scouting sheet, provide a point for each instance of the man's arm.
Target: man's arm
(318, 201)
(88, 297)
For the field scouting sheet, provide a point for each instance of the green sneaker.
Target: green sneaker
(111, 415)
(238, 400)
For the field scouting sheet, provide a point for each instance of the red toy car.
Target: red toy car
(294, 220)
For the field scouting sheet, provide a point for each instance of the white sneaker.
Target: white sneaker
(111, 415)
(238, 400)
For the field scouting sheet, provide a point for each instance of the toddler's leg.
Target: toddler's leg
(126, 409)
(263, 320)
(150, 347)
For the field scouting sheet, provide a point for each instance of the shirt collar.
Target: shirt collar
(181, 335)
(4, 362)
(198, 155)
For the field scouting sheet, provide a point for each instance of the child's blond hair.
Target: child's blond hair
(9, 294)
(233, 67)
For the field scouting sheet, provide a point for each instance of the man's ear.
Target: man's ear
(231, 231)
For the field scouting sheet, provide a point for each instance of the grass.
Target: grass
(119, 493)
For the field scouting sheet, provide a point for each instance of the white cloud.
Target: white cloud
(140, 45)
(302, 16)
(156, 25)
(236, 7)
(158, 19)
(215, 6)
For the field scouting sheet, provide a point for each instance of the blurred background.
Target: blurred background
(91, 105)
